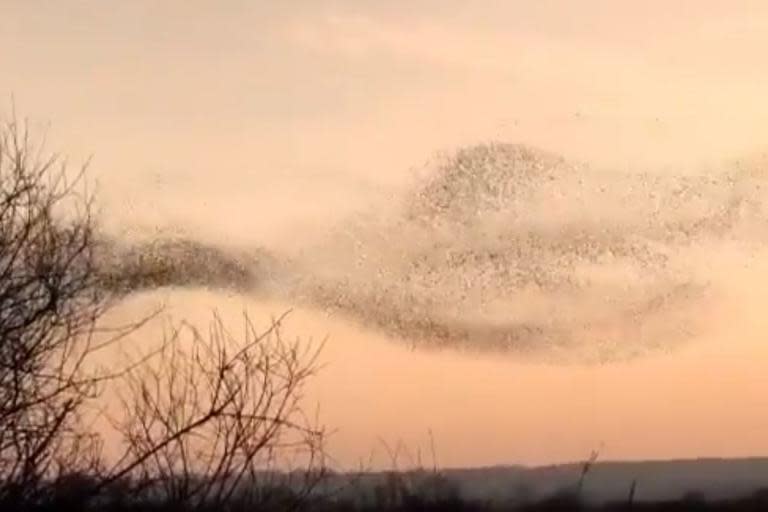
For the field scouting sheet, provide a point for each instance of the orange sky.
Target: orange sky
(703, 397)
(263, 122)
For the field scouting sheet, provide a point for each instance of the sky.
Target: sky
(248, 122)
(350, 96)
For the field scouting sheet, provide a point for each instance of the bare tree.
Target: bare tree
(214, 417)
(209, 414)
(49, 305)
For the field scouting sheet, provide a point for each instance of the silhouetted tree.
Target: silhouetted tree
(49, 305)
(205, 418)
(213, 417)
